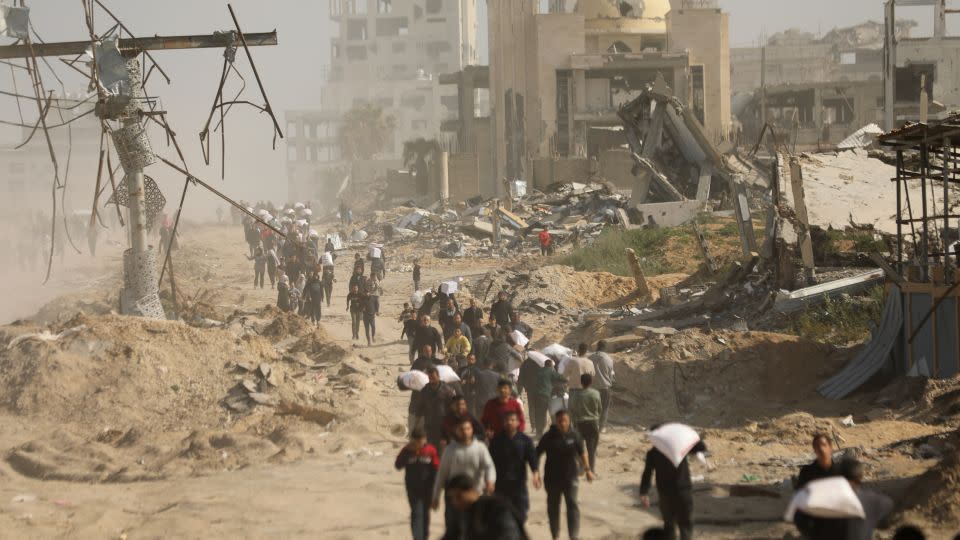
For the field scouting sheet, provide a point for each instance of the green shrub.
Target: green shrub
(841, 320)
(608, 252)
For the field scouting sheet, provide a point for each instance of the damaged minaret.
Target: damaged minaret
(120, 79)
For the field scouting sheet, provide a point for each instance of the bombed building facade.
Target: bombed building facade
(557, 79)
(817, 91)
(388, 54)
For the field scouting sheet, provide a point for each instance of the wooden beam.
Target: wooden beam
(643, 289)
(134, 46)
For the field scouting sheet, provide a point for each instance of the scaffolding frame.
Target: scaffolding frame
(926, 153)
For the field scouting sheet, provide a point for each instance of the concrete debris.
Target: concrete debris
(358, 235)
(788, 302)
(861, 138)
(410, 220)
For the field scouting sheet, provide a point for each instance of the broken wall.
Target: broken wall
(401, 185)
(670, 214)
(616, 166)
(369, 170)
(557, 37)
(547, 171)
(944, 54)
(511, 39)
(464, 174)
(705, 35)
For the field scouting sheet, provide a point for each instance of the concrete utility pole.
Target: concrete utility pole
(763, 86)
(140, 295)
(889, 63)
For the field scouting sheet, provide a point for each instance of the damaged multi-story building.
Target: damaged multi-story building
(814, 91)
(557, 79)
(387, 53)
(817, 91)
(921, 73)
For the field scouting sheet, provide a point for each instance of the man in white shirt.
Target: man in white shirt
(577, 366)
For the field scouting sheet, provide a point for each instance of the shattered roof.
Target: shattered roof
(913, 134)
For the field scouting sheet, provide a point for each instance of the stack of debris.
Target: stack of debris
(573, 213)
(253, 391)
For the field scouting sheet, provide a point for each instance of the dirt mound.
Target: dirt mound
(138, 399)
(936, 494)
(726, 378)
(795, 428)
(930, 400)
(284, 324)
(555, 284)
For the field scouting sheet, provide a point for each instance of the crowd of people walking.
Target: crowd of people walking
(490, 408)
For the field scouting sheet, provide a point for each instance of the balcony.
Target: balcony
(347, 8)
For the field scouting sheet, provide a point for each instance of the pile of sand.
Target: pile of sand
(555, 284)
(135, 399)
(726, 379)
(936, 494)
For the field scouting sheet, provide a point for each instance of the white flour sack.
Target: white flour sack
(674, 441)
(826, 498)
(413, 380)
(447, 374)
(537, 357)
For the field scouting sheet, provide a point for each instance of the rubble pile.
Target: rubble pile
(936, 494)
(571, 212)
(721, 377)
(131, 399)
(552, 289)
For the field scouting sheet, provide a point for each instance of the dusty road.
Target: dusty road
(345, 486)
(345, 490)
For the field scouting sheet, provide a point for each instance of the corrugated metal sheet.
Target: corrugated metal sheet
(947, 352)
(874, 355)
(920, 352)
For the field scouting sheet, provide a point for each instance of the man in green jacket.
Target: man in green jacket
(547, 378)
(585, 408)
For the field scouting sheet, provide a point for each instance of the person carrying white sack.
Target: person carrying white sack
(839, 507)
(667, 460)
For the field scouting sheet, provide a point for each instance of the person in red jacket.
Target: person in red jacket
(420, 461)
(545, 241)
(494, 410)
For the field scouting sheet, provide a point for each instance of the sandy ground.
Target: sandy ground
(342, 492)
(346, 487)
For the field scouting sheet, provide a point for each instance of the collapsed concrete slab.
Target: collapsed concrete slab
(670, 214)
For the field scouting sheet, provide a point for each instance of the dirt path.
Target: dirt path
(345, 486)
(346, 489)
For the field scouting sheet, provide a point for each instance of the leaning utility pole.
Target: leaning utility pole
(122, 103)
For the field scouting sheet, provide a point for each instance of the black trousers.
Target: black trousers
(677, 512)
(370, 326)
(518, 495)
(316, 310)
(328, 291)
(419, 515)
(538, 412)
(355, 317)
(568, 492)
(590, 431)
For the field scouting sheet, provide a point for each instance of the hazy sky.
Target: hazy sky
(292, 70)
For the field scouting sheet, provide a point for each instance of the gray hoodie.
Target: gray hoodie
(472, 460)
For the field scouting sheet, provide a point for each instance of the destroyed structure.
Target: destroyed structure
(388, 54)
(819, 91)
(118, 80)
